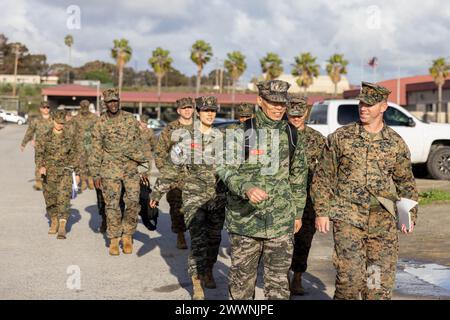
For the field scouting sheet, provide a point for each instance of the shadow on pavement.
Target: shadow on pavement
(315, 289)
(176, 259)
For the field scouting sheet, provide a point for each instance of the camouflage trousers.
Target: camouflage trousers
(174, 198)
(302, 242)
(118, 224)
(366, 260)
(205, 226)
(57, 192)
(246, 254)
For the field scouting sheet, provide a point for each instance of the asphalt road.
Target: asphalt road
(34, 265)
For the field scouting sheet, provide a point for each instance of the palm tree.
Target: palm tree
(306, 69)
(201, 53)
(122, 54)
(68, 40)
(235, 65)
(161, 63)
(272, 66)
(439, 71)
(336, 67)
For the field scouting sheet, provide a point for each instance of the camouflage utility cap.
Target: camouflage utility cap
(144, 118)
(297, 106)
(184, 102)
(372, 94)
(206, 103)
(246, 110)
(111, 94)
(45, 104)
(60, 116)
(274, 90)
(84, 104)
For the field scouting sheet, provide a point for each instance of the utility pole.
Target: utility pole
(16, 62)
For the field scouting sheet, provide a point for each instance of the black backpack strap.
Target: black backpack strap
(249, 131)
(292, 139)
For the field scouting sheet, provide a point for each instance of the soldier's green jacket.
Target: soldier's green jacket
(58, 153)
(286, 188)
(198, 162)
(36, 128)
(165, 143)
(117, 146)
(355, 170)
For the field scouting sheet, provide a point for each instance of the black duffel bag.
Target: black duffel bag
(148, 215)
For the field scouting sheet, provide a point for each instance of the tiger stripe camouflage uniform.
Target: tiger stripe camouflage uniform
(203, 205)
(35, 130)
(116, 153)
(359, 177)
(264, 230)
(58, 153)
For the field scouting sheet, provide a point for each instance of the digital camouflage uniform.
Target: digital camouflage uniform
(358, 179)
(148, 135)
(162, 156)
(59, 155)
(203, 205)
(116, 153)
(314, 142)
(264, 230)
(85, 121)
(35, 129)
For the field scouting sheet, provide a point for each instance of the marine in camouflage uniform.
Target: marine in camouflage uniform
(314, 142)
(36, 128)
(162, 156)
(203, 201)
(264, 208)
(116, 153)
(359, 177)
(85, 121)
(56, 157)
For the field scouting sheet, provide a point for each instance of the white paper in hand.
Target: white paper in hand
(404, 216)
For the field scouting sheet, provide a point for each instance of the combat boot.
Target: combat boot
(83, 183)
(114, 247)
(90, 183)
(53, 226)
(38, 185)
(127, 244)
(208, 280)
(62, 229)
(181, 242)
(296, 285)
(197, 290)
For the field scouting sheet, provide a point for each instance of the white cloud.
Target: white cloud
(411, 33)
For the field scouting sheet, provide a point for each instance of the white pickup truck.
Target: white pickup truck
(429, 143)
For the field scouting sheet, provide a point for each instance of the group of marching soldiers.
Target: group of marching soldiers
(270, 218)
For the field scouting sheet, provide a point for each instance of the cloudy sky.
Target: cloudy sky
(403, 34)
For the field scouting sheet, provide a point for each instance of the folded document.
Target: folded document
(404, 207)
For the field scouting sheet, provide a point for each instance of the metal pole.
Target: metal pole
(16, 62)
(97, 106)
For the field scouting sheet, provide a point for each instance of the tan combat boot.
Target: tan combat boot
(53, 226)
(127, 243)
(181, 242)
(62, 229)
(83, 183)
(38, 185)
(90, 183)
(208, 280)
(197, 290)
(296, 285)
(114, 247)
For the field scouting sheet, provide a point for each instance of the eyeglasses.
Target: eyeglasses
(45, 107)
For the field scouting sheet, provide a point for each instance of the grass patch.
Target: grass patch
(433, 195)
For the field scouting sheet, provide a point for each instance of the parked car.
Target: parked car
(429, 143)
(11, 117)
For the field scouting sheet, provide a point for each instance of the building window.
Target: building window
(429, 107)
